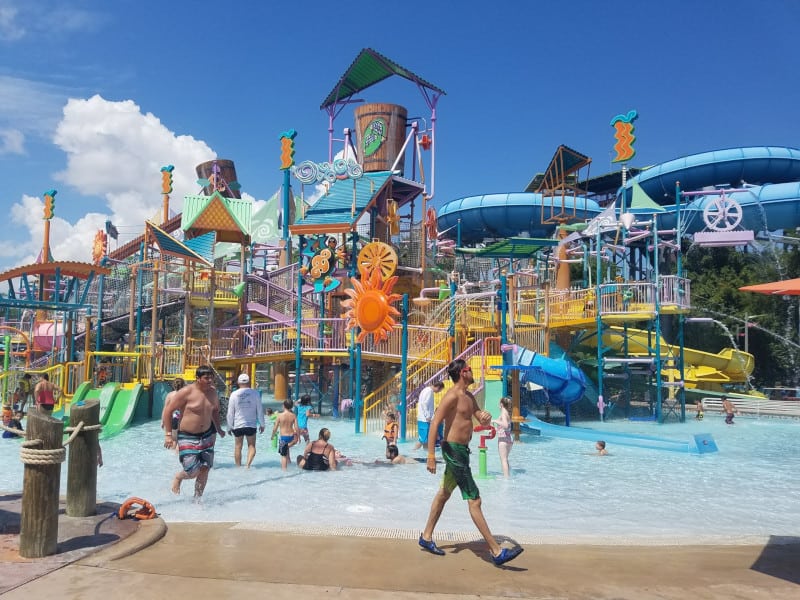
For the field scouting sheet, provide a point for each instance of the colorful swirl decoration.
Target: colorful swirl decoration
(322, 255)
(310, 172)
(623, 127)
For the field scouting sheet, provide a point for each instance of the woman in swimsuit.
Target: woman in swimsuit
(504, 439)
(319, 454)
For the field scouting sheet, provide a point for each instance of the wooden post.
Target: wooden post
(38, 533)
(82, 463)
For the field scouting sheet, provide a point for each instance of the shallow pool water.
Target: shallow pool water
(559, 490)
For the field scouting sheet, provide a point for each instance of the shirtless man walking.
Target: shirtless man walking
(456, 410)
(199, 406)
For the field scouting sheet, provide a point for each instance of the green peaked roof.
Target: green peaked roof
(369, 68)
(240, 210)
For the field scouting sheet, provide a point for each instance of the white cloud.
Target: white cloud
(68, 241)
(116, 152)
(12, 141)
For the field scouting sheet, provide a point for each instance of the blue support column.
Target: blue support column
(452, 329)
(599, 326)
(357, 400)
(503, 301)
(335, 391)
(659, 381)
(681, 320)
(404, 369)
(98, 342)
(139, 291)
(298, 346)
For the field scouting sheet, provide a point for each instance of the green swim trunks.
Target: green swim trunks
(457, 471)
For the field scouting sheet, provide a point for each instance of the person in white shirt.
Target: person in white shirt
(245, 413)
(425, 409)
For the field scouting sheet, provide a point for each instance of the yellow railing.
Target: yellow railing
(223, 285)
(417, 372)
(121, 367)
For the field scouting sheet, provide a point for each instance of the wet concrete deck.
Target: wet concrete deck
(226, 560)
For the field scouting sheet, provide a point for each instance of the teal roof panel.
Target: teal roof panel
(170, 246)
(336, 207)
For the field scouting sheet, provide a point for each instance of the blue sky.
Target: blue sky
(96, 96)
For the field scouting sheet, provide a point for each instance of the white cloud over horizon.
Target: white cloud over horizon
(113, 151)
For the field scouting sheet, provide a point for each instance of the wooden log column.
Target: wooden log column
(82, 463)
(38, 535)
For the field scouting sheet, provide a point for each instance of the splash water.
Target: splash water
(560, 491)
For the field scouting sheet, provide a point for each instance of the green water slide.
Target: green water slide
(122, 407)
(105, 395)
(79, 396)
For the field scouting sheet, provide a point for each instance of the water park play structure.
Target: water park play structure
(570, 296)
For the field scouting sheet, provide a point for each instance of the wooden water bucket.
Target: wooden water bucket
(226, 169)
(380, 135)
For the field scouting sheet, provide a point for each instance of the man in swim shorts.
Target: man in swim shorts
(245, 413)
(199, 406)
(456, 410)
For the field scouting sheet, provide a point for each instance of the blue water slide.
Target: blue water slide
(733, 166)
(698, 444)
(563, 380)
(504, 215)
(771, 201)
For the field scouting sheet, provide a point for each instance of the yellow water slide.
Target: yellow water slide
(703, 370)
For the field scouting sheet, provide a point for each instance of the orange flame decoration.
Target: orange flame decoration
(370, 305)
(99, 246)
(623, 126)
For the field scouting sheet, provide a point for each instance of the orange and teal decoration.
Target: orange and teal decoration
(49, 204)
(623, 133)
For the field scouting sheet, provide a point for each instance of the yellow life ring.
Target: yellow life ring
(146, 512)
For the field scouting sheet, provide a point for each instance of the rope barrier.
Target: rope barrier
(13, 430)
(29, 454)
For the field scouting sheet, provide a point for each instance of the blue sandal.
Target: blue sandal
(431, 546)
(505, 555)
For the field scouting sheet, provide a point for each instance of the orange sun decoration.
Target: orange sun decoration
(370, 305)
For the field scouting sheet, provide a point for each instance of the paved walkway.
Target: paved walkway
(225, 560)
(77, 538)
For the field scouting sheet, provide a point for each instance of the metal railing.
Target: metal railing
(280, 302)
(387, 395)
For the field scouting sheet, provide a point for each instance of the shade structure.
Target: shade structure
(787, 287)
